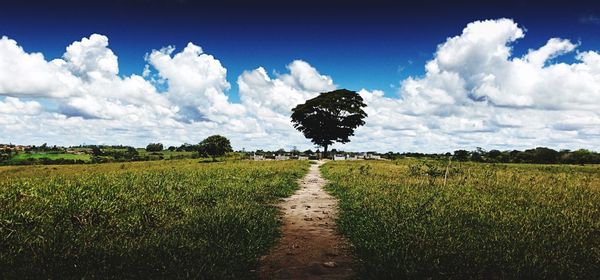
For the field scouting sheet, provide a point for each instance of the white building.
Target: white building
(372, 156)
(339, 157)
(258, 157)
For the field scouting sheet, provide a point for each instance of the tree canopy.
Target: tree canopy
(154, 147)
(330, 117)
(214, 146)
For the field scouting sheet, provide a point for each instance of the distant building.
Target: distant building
(339, 157)
(278, 157)
(372, 156)
(354, 157)
(258, 157)
(302, 158)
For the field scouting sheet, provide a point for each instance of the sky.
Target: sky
(436, 76)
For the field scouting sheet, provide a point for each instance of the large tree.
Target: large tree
(330, 117)
(154, 147)
(214, 146)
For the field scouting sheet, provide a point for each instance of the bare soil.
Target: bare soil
(310, 246)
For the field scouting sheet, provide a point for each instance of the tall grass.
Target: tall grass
(487, 222)
(173, 219)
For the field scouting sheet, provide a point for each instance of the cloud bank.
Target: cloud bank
(474, 93)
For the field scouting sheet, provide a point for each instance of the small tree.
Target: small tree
(131, 153)
(96, 151)
(330, 117)
(154, 147)
(214, 146)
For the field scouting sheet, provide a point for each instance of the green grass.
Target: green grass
(157, 220)
(52, 156)
(166, 153)
(486, 222)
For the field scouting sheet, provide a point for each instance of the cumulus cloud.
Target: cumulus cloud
(91, 58)
(83, 98)
(474, 92)
(261, 93)
(29, 74)
(197, 81)
(15, 106)
(270, 100)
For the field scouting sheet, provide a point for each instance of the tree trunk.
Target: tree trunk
(325, 151)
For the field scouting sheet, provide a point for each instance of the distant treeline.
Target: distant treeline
(539, 155)
(152, 147)
(185, 148)
(114, 153)
(155, 151)
(101, 146)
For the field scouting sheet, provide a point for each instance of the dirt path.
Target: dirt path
(310, 247)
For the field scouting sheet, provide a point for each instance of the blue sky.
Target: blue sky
(436, 75)
(362, 44)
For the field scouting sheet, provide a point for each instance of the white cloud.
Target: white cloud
(474, 92)
(306, 78)
(99, 106)
(555, 47)
(91, 58)
(197, 82)
(270, 100)
(265, 95)
(29, 74)
(15, 106)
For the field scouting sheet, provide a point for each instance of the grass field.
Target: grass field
(486, 222)
(25, 156)
(164, 219)
(167, 154)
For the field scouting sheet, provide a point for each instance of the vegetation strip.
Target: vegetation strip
(168, 219)
(488, 221)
